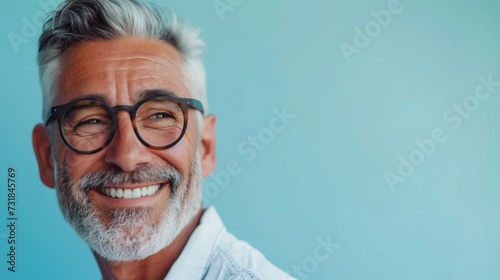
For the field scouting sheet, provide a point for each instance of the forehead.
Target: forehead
(120, 70)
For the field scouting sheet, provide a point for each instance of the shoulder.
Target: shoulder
(212, 253)
(235, 259)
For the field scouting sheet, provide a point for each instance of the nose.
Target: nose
(125, 149)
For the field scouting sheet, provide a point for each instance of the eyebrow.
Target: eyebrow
(156, 93)
(143, 95)
(91, 96)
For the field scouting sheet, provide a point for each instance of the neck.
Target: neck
(153, 267)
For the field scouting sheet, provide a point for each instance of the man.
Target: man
(126, 143)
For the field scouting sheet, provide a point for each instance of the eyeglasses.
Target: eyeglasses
(88, 126)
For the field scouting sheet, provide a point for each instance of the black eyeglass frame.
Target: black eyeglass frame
(60, 111)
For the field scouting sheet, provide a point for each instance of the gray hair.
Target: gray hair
(76, 21)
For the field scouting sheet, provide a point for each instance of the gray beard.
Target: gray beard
(128, 237)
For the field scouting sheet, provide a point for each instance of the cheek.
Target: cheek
(76, 165)
(177, 157)
(182, 155)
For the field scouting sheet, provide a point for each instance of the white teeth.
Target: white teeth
(130, 193)
(127, 193)
(119, 193)
(136, 193)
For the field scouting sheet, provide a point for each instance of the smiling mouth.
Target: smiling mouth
(128, 193)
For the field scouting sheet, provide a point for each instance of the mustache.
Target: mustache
(114, 176)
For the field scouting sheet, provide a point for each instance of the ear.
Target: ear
(41, 145)
(207, 147)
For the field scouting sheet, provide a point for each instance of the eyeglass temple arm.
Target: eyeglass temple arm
(48, 117)
(196, 104)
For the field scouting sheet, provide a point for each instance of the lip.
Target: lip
(130, 202)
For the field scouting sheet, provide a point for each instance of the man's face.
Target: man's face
(118, 71)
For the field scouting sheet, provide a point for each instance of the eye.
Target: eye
(91, 126)
(89, 122)
(161, 115)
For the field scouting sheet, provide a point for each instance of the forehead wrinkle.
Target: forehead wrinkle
(148, 83)
(141, 74)
(125, 62)
(134, 46)
(121, 66)
(166, 55)
(106, 68)
(135, 63)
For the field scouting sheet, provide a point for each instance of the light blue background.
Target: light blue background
(322, 176)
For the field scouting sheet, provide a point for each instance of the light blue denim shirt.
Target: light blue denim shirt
(212, 253)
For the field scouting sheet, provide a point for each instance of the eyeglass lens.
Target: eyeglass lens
(159, 122)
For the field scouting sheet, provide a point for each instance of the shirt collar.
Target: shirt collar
(194, 258)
